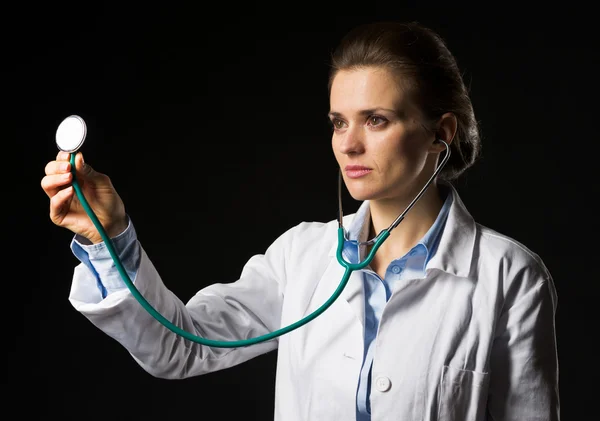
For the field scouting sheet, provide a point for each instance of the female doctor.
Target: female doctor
(450, 321)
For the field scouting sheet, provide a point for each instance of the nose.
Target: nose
(351, 141)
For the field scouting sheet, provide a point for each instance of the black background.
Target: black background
(211, 122)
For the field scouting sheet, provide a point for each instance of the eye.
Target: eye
(375, 120)
(337, 123)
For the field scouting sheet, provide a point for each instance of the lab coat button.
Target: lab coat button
(395, 269)
(383, 384)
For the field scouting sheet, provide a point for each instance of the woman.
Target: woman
(450, 321)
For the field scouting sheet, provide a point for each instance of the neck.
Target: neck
(413, 227)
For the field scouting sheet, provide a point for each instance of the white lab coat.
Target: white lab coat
(473, 340)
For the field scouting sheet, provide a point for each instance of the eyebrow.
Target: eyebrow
(366, 112)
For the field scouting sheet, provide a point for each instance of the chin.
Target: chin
(362, 189)
(362, 194)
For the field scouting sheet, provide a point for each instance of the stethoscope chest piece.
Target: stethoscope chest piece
(70, 134)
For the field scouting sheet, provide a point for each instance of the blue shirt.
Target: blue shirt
(97, 258)
(377, 291)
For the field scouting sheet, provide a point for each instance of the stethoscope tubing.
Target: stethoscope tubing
(349, 268)
(176, 329)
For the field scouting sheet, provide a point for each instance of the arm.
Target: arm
(247, 308)
(524, 361)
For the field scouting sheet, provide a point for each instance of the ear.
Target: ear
(446, 130)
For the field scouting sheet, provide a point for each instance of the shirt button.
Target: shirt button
(395, 269)
(383, 384)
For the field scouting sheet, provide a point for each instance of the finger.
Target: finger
(59, 204)
(57, 167)
(52, 184)
(63, 156)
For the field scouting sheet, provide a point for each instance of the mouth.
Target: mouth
(357, 171)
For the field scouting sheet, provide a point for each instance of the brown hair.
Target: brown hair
(430, 74)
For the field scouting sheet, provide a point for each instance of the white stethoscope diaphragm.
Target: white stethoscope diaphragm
(70, 134)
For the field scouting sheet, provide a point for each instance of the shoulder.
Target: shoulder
(518, 268)
(312, 236)
(503, 246)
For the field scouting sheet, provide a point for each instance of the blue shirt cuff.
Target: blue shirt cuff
(99, 261)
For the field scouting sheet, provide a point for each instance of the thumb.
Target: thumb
(81, 167)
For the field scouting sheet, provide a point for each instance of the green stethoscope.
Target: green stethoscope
(70, 136)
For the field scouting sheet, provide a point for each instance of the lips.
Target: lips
(357, 171)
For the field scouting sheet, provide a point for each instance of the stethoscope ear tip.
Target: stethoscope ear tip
(71, 133)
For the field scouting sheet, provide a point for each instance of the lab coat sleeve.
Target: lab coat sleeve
(244, 309)
(524, 360)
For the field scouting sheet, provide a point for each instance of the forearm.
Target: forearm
(219, 313)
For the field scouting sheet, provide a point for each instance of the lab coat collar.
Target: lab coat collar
(455, 250)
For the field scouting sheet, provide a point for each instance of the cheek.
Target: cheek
(336, 150)
(401, 155)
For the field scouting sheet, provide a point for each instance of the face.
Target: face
(378, 140)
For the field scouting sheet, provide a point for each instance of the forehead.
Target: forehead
(365, 88)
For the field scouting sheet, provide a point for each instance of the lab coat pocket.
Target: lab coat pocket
(462, 395)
